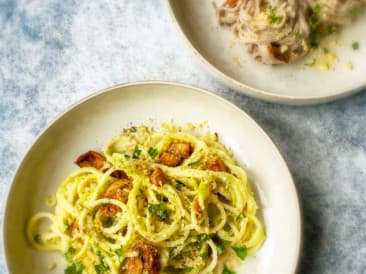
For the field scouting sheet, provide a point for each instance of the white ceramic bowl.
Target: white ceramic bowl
(294, 84)
(88, 124)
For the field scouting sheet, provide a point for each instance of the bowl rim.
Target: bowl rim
(95, 94)
(262, 94)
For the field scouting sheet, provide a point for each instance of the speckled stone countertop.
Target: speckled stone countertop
(54, 52)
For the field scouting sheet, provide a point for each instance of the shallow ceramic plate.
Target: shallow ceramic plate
(289, 84)
(94, 120)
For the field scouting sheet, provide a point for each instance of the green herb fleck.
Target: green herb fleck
(69, 252)
(315, 25)
(298, 35)
(318, 30)
(325, 50)
(159, 210)
(227, 271)
(204, 255)
(272, 17)
(219, 248)
(100, 255)
(355, 45)
(314, 38)
(179, 185)
(241, 251)
(239, 217)
(119, 252)
(331, 29)
(127, 156)
(316, 9)
(191, 164)
(201, 238)
(100, 268)
(187, 268)
(75, 268)
(356, 11)
(136, 152)
(152, 151)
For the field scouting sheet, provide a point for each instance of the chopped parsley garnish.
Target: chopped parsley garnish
(355, 45)
(179, 185)
(227, 271)
(119, 252)
(331, 29)
(318, 30)
(158, 210)
(316, 9)
(69, 252)
(314, 38)
(219, 248)
(136, 152)
(315, 33)
(100, 268)
(191, 164)
(239, 217)
(204, 255)
(298, 35)
(201, 238)
(356, 11)
(187, 268)
(152, 151)
(272, 17)
(325, 50)
(127, 156)
(75, 268)
(241, 251)
(100, 256)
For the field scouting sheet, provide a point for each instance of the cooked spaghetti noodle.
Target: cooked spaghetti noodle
(282, 31)
(155, 202)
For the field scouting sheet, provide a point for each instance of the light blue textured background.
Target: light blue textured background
(54, 52)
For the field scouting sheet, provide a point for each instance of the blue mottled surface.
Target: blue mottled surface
(54, 52)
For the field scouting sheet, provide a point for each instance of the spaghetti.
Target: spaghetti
(282, 31)
(156, 202)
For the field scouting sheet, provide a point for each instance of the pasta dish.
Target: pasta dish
(156, 201)
(282, 31)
